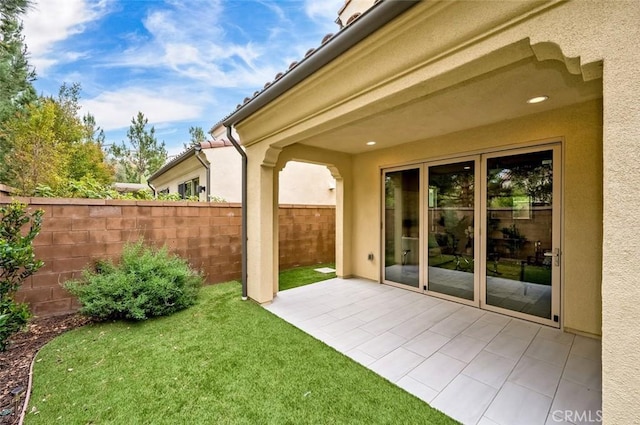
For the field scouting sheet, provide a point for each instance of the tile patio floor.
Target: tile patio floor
(476, 366)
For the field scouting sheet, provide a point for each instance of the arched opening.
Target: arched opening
(306, 223)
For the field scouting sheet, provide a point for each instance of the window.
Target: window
(189, 188)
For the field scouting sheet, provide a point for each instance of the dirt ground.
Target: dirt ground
(16, 360)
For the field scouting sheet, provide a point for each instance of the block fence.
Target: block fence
(77, 232)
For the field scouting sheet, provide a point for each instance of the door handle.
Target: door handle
(556, 254)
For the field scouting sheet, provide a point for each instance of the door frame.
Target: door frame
(480, 157)
(475, 302)
(556, 230)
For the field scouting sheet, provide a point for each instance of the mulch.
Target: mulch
(16, 360)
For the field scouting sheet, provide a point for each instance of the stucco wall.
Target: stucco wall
(300, 183)
(580, 127)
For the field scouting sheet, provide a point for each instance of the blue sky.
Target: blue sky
(181, 62)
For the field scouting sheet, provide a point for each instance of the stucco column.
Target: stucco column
(344, 213)
(621, 231)
(262, 223)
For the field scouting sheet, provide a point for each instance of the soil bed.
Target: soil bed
(16, 360)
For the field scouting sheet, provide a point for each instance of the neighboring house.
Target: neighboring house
(484, 152)
(301, 183)
(351, 10)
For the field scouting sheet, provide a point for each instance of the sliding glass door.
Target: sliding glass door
(522, 250)
(451, 237)
(402, 227)
(483, 230)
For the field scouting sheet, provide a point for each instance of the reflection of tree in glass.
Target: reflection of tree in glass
(453, 189)
(533, 180)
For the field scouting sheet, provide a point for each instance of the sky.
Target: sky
(181, 63)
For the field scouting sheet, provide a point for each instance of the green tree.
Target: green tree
(143, 155)
(48, 144)
(18, 229)
(197, 136)
(16, 76)
(37, 155)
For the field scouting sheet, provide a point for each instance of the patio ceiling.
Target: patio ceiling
(490, 98)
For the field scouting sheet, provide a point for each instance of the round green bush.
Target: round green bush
(147, 282)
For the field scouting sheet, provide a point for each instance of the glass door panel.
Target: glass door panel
(402, 227)
(450, 236)
(519, 239)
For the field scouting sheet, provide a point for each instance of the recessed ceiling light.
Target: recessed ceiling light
(371, 143)
(538, 99)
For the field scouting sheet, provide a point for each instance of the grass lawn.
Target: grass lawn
(223, 361)
(305, 275)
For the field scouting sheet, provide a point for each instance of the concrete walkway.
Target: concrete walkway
(476, 366)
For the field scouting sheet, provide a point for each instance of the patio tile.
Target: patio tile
(411, 328)
(465, 399)
(382, 344)
(577, 403)
(316, 322)
(521, 329)
(548, 351)
(589, 348)
(486, 421)
(427, 343)
(450, 327)
(484, 331)
(437, 371)
(360, 357)
(583, 371)
(347, 310)
(495, 318)
(352, 339)
(463, 348)
(518, 405)
(418, 389)
(556, 335)
(536, 375)
(468, 314)
(490, 369)
(508, 346)
(396, 364)
(342, 326)
(491, 372)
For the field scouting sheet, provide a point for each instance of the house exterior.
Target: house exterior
(213, 169)
(484, 152)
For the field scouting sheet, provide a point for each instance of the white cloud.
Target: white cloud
(115, 109)
(51, 21)
(324, 11)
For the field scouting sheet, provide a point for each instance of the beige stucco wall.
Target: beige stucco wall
(187, 170)
(307, 184)
(581, 129)
(430, 48)
(300, 182)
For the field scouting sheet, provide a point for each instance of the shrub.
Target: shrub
(147, 282)
(18, 229)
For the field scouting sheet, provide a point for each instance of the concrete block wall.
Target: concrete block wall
(78, 232)
(307, 235)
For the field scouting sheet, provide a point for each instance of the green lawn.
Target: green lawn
(300, 276)
(223, 361)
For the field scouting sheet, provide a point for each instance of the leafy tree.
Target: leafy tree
(16, 75)
(143, 155)
(197, 136)
(48, 144)
(18, 229)
(37, 155)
